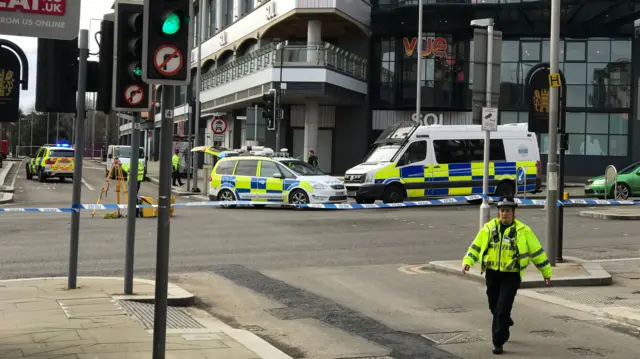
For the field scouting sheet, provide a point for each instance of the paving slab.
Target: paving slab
(629, 214)
(567, 274)
(43, 319)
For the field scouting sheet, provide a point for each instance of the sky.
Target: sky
(91, 9)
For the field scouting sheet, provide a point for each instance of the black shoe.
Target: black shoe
(497, 350)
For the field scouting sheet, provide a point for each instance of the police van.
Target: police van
(413, 161)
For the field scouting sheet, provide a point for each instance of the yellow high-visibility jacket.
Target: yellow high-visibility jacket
(508, 252)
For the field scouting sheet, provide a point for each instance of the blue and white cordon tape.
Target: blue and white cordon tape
(435, 202)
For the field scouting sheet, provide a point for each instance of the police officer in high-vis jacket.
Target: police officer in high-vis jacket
(504, 246)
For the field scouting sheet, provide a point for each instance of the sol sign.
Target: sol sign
(436, 46)
(428, 119)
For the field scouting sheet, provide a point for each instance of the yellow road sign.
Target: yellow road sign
(554, 80)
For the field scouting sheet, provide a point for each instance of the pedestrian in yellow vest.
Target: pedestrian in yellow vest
(125, 168)
(175, 160)
(504, 247)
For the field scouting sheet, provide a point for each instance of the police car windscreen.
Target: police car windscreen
(382, 153)
(303, 168)
(62, 153)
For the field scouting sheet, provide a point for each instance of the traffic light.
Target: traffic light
(57, 76)
(105, 75)
(167, 42)
(130, 92)
(269, 110)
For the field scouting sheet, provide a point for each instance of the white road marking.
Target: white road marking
(90, 187)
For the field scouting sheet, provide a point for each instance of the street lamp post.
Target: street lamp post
(418, 68)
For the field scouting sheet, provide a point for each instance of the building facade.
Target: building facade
(349, 68)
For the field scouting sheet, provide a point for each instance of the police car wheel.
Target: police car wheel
(298, 197)
(393, 194)
(29, 174)
(41, 176)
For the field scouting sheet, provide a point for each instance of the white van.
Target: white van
(412, 161)
(123, 153)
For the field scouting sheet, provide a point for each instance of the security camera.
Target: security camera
(482, 22)
(157, 105)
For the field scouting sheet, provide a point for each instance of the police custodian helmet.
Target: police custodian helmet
(507, 202)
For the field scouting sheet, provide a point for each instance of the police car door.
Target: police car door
(273, 181)
(411, 165)
(246, 175)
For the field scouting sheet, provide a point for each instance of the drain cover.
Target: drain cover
(450, 310)
(548, 334)
(176, 317)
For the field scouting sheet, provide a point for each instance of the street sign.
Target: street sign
(520, 175)
(218, 138)
(52, 19)
(489, 119)
(537, 84)
(554, 80)
(219, 126)
(134, 95)
(9, 86)
(168, 113)
(168, 60)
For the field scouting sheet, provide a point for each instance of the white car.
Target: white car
(123, 153)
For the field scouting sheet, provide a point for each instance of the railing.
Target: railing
(273, 55)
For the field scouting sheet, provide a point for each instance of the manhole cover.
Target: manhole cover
(450, 310)
(453, 338)
(586, 352)
(176, 317)
(548, 334)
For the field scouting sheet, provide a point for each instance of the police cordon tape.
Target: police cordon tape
(436, 202)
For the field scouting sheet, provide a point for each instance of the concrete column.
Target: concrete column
(237, 9)
(311, 119)
(205, 8)
(314, 39)
(219, 15)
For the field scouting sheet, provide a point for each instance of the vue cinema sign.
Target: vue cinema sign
(431, 46)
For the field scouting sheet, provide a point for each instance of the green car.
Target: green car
(628, 184)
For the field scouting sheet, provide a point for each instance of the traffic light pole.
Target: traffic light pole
(131, 205)
(164, 212)
(78, 157)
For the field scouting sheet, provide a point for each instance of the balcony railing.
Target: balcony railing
(276, 55)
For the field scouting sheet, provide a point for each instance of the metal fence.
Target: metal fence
(272, 55)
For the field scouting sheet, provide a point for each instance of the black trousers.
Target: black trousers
(176, 177)
(501, 292)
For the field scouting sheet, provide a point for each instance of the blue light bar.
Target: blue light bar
(62, 145)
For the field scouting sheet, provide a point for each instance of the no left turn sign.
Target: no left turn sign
(168, 60)
(134, 95)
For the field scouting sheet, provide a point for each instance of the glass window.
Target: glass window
(288, 173)
(576, 74)
(247, 168)
(576, 95)
(596, 72)
(576, 51)
(450, 151)
(509, 72)
(618, 123)
(545, 51)
(226, 167)
(476, 150)
(416, 152)
(576, 143)
(268, 169)
(620, 50)
(530, 51)
(599, 51)
(597, 123)
(617, 145)
(575, 122)
(596, 145)
(508, 117)
(510, 51)
(62, 153)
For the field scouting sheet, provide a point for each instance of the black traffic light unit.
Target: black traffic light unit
(168, 40)
(269, 110)
(105, 75)
(57, 76)
(130, 92)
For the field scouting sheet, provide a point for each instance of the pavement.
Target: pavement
(629, 214)
(342, 284)
(42, 319)
(8, 176)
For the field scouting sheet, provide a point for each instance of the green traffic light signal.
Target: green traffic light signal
(171, 24)
(137, 70)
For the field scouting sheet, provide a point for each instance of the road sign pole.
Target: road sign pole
(198, 82)
(164, 212)
(131, 205)
(189, 155)
(79, 152)
(485, 211)
(552, 164)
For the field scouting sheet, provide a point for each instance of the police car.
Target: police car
(258, 174)
(52, 161)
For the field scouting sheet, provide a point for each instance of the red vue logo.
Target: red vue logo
(432, 46)
(42, 7)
